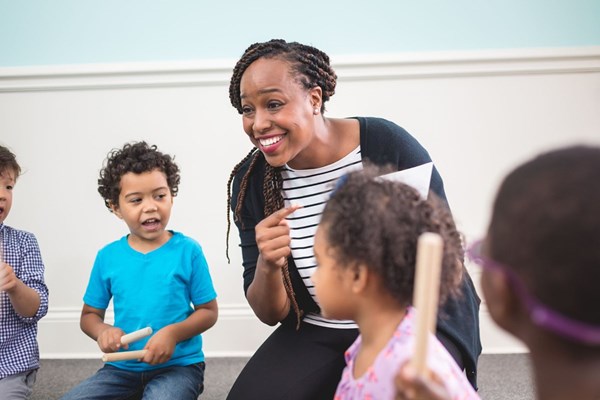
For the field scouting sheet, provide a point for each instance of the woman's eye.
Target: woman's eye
(274, 105)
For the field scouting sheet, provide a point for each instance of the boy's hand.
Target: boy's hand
(8, 279)
(109, 340)
(160, 347)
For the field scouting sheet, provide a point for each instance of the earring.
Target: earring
(316, 111)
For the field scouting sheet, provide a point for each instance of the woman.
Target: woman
(279, 190)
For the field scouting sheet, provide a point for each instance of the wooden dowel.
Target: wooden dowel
(136, 335)
(124, 355)
(426, 295)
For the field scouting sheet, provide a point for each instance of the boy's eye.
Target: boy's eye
(161, 196)
(9, 187)
(135, 200)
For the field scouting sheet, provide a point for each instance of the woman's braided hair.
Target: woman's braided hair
(310, 67)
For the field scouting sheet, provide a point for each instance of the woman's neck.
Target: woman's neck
(333, 140)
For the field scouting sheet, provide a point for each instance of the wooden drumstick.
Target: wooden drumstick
(124, 355)
(136, 335)
(426, 295)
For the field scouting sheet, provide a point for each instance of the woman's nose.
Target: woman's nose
(262, 121)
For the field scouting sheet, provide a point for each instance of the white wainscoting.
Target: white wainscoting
(478, 113)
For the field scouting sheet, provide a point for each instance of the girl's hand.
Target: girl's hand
(410, 386)
(273, 238)
(109, 340)
(160, 347)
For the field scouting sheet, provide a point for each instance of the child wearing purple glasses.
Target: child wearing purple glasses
(541, 268)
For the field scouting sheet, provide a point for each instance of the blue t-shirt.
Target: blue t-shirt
(154, 289)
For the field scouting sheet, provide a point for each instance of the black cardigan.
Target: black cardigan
(382, 142)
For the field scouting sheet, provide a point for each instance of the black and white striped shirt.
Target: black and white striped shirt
(311, 188)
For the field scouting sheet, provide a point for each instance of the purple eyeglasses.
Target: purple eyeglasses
(540, 314)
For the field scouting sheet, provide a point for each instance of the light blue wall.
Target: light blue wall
(45, 32)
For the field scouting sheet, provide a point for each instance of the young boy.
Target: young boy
(23, 293)
(152, 275)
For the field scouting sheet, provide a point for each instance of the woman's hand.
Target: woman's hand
(273, 238)
(266, 294)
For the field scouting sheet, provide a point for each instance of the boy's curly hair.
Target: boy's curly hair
(137, 157)
(377, 222)
(8, 162)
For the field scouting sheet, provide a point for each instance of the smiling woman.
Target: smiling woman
(277, 193)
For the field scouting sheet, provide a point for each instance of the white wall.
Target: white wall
(478, 113)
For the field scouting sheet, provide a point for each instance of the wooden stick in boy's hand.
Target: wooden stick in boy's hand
(426, 295)
(136, 335)
(126, 339)
(124, 355)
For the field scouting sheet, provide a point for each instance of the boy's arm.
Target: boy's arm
(24, 299)
(107, 336)
(162, 345)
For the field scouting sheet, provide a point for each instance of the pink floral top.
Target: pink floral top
(378, 382)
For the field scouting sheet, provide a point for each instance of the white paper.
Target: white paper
(418, 177)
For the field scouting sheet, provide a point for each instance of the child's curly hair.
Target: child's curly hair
(137, 158)
(377, 222)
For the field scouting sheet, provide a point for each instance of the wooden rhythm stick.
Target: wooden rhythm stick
(124, 355)
(426, 295)
(136, 335)
(126, 339)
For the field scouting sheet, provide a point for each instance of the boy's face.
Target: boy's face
(145, 204)
(7, 183)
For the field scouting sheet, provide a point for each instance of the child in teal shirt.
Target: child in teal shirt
(152, 276)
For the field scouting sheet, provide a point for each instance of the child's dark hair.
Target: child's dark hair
(8, 162)
(311, 68)
(137, 158)
(546, 227)
(377, 222)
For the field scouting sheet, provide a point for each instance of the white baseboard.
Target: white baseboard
(238, 333)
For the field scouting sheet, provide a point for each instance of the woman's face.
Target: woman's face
(277, 112)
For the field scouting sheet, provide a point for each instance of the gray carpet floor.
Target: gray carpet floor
(501, 377)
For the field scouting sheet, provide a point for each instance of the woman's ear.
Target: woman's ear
(316, 97)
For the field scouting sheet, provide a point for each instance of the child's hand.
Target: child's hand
(8, 279)
(410, 386)
(109, 340)
(160, 347)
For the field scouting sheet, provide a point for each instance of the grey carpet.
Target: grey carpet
(501, 377)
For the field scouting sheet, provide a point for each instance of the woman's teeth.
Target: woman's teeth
(270, 141)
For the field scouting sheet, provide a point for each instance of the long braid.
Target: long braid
(240, 197)
(272, 190)
(311, 68)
